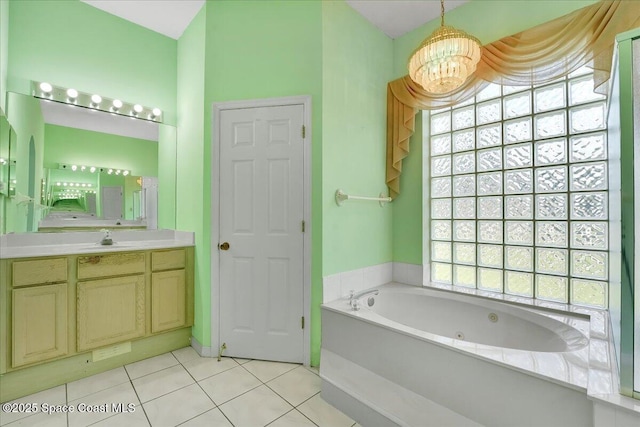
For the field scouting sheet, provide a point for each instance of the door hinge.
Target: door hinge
(302, 322)
(304, 131)
(303, 226)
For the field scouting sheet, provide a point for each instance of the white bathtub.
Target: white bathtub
(426, 357)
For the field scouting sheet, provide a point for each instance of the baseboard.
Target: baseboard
(201, 350)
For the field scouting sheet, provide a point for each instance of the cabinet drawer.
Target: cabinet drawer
(168, 260)
(118, 264)
(34, 272)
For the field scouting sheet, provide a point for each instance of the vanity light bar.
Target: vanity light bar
(94, 169)
(71, 96)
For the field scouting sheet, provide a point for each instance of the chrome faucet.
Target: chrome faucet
(354, 298)
(106, 239)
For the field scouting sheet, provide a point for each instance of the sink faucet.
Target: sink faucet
(106, 239)
(354, 298)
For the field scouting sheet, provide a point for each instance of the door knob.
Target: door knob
(224, 246)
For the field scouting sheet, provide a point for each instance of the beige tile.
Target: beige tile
(205, 367)
(212, 418)
(178, 407)
(256, 408)
(185, 354)
(292, 419)
(151, 365)
(41, 420)
(266, 371)
(137, 418)
(162, 382)
(241, 361)
(101, 401)
(323, 414)
(96, 383)
(296, 386)
(55, 396)
(229, 384)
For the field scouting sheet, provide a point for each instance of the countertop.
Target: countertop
(25, 245)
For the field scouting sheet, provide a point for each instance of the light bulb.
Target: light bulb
(125, 173)
(83, 168)
(74, 168)
(64, 184)
(46, 87)
(96, 100)
(110, 171)
(58, 184)
(118, 172)
(84, 185)
(137, 108)
(72, 94)
(157, 112)
(117, 104)
(89, 185)
(92, 169)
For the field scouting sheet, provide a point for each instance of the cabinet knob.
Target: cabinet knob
(224, 246)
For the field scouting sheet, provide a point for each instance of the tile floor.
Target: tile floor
(182, 388)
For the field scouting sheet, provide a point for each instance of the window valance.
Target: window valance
(535, 56)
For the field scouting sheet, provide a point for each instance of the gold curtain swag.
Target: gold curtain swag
(535, 56)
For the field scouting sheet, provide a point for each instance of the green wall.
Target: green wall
(258, 49)
(356, 66)
(190, 196)
(83, 147)
(71, 44)
(488, 20)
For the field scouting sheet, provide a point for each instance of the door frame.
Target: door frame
(218, 107)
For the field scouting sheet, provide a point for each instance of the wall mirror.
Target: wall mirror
(5, 134)
(77, 168)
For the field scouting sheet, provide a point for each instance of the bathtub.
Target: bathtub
(421, 357)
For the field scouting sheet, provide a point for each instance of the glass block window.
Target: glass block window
(518, 198)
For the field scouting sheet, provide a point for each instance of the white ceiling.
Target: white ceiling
(168, 17)
(397, 17)
(171, 17)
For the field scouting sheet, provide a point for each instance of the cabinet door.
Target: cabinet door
(39, 323)
(167, 300)
(110, 311)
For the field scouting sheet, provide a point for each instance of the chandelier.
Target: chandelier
(445, 59)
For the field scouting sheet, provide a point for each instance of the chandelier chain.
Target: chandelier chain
(441, 12)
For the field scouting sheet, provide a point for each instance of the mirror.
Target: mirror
(5, 133)
(78, 168)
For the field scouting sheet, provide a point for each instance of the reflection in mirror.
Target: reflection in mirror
(7, 185)
(93, 169)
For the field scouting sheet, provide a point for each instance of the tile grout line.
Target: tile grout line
(137, 395)
(215, 405)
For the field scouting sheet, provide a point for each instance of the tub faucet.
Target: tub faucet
(106, 239)
(354, 298)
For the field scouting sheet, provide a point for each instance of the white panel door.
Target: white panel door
(261, 213)
(111, 199)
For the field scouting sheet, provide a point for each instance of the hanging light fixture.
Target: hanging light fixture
(445, 59)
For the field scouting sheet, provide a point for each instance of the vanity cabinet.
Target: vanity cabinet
(59, 307)
(111, 306)
(39, 311)
(168, 290)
